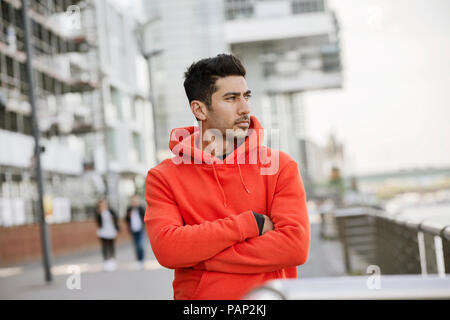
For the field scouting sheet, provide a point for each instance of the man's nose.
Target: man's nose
(244, 106)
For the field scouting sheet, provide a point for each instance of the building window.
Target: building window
(26, 124)
(269, 69)
(117, 102)
(137, 148)
(138, 110)
(307, 6)
(9, 67)
(2, 117)
(111, 140)
(127, 107)
(331, 61)
(236, 9)
(11, 121)
(133, 110)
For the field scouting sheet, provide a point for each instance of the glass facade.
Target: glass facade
(244, 9)
(307, 6)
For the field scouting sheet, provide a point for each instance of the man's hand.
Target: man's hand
(268, 224)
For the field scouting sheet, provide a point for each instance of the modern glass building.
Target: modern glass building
(94, 115)
(287, 47)
(183, 31)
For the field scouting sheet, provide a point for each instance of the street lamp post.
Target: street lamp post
(45, 239)
(139, 32)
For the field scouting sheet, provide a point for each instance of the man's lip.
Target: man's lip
(243, 124)
(244, 121)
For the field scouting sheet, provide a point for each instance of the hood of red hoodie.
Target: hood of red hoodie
(183, 144)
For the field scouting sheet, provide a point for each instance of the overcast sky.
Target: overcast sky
(394, 109)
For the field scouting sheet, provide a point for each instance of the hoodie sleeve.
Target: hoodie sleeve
(177, 245)
(286, 246)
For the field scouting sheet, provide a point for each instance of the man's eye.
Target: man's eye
(231, 98)
(248, 96)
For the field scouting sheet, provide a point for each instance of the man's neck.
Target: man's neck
(228, 145)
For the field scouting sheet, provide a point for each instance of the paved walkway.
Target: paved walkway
(325, 256)
(127, 282)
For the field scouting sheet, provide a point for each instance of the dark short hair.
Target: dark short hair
(201, 76)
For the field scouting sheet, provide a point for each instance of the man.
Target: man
(225, 227)
(135, 220)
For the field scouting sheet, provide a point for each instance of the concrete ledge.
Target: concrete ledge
(355, 288)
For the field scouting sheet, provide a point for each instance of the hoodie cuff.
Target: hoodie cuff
(260, 221)
(248, 228)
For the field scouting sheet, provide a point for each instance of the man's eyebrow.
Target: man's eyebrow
(236, 93)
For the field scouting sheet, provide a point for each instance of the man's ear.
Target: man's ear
(198, 108)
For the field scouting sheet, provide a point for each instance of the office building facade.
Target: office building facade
(93, 111)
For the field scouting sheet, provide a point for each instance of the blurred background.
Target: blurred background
(358, 89)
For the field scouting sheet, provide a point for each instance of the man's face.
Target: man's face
(230, 107)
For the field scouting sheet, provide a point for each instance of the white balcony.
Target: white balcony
(278, 28)
(304, 81)
(18, 149)
(61, 158)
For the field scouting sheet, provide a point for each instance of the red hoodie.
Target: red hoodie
(200, 220)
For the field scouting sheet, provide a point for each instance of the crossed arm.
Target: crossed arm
(232, 244)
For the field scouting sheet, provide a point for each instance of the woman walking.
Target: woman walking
(108, 228)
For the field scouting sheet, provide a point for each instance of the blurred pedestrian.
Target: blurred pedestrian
(107, 232)
(135, 219)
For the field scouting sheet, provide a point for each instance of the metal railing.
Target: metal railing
(410, 250)
(411, 242)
